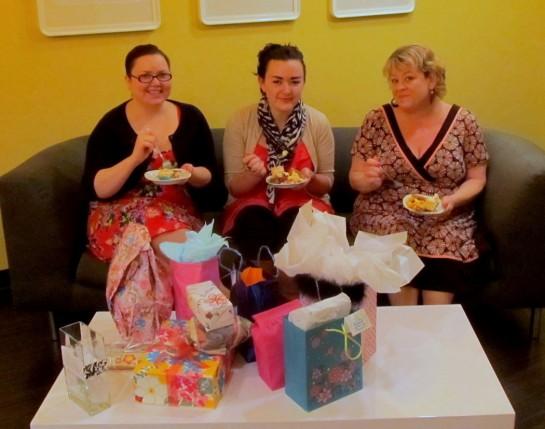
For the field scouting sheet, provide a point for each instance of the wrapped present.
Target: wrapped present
(325, 363)
(221, 340)
(176, 338)
(210, 306)
(172, 372)
(196, 380)
(173, 339)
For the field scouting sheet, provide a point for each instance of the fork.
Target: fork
(397, 184)
(158, 152)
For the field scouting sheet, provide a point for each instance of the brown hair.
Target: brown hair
(140, 51)
(274, 51)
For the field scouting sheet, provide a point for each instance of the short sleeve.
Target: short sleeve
(364, 142)
(475, 151)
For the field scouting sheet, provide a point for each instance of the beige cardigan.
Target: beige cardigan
(243, 133)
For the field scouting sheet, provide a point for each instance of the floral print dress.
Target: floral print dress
(160, 208)
(459, 145)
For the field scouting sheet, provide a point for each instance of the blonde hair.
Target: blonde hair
(424, 60)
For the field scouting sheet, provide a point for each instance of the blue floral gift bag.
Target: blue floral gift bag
(325, 363)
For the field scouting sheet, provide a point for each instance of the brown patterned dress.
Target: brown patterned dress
(459, 145)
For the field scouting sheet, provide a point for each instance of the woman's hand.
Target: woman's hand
(110, 180)
(253, 172)
(145, 144)
(188, 167)
(448, 202)
(200, 176)
(366, 175)
(255, 165)
(468, 190)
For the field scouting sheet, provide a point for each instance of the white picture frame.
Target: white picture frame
(74, 17)
(221, 12)
(355, 8)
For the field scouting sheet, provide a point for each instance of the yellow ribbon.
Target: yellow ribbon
(347, 337)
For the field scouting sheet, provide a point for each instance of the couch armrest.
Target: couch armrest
(42, 216)
(513, 211)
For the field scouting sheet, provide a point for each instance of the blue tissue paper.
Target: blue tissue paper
(199, 246)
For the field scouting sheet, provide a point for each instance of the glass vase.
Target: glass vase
(85, 362)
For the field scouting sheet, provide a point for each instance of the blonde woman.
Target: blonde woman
(418, 143)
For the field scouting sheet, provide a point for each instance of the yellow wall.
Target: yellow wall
(54, 88)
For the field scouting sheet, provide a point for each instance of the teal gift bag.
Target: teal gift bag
(324, 363)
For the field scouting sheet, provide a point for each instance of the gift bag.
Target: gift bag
(361, 295)
(138, 294)
(369, 336)
(253, 288)
(188, 273)
(325, 363)
(193, 261)
(317, 246)
(268, 341)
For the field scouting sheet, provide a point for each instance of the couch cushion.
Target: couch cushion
(92, 272)
(342, 195)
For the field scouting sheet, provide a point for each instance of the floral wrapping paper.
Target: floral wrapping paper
(319, 370)
(138, 293)
(173, 373)
(211, 307)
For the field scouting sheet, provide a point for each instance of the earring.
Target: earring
(432, 92)
(393, 102)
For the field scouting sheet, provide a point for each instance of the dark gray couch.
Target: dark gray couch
(49, 269)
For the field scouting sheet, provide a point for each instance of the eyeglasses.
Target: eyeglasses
(147, 78)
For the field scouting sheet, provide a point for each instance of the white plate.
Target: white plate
(153, 176)
(269, 181)
(440, 209)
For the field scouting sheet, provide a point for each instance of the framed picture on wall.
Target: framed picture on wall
(352, 8)
(218, 12)
(70, 17)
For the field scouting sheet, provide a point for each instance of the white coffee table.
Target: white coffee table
(429, 371)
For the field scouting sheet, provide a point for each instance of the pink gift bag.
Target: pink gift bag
(188, 273)
(369, 336)
(268, 338)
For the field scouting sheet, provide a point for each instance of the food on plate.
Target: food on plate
(423, 203)
(170, 173)
(280, 176)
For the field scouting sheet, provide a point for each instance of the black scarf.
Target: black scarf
(280, 144)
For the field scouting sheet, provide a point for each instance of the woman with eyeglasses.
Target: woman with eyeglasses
(148, 132)
(279, 133)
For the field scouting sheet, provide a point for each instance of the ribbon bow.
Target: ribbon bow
(347, 337)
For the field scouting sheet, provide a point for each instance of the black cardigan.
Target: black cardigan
(113, 140)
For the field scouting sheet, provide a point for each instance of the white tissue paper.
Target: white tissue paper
(317, 314)
(199, 246)
(317, 245)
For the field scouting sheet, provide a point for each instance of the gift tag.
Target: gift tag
(357, 322)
